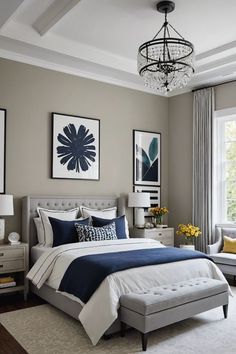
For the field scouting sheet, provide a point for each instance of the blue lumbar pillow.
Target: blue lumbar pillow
(119, 222)
(64, 231)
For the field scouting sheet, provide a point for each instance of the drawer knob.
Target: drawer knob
(1, 254)
(1, 265)
(160, 233)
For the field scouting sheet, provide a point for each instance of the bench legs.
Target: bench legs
(225, 310)
(144, 341)
(122, 329)
(144, 336)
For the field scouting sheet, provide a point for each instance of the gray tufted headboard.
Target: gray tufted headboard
(30, 204)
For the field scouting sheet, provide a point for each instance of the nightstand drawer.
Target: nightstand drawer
(11, 253)
(164, 233)
(11, 265)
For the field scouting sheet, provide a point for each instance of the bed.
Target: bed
(114, 285)
(29, 235)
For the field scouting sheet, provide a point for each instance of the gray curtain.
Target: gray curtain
(203, 110)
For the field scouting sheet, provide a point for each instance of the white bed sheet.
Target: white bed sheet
(102, 308)
(37, 251)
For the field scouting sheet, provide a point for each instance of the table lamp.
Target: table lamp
(139, 201)
(6, 208)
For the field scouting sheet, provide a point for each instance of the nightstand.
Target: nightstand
(165, 236)
(14, 262)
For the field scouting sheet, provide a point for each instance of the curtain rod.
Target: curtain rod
(221, 83)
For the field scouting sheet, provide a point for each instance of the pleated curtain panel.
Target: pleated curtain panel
(203, 111)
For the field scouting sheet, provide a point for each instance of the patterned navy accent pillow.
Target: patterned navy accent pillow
(90, 233)
(119, 222)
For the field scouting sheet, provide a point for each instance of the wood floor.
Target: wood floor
(8, 345)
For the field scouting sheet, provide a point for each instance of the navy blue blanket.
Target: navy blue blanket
(85, 274)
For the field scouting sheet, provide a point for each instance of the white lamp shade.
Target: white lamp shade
(139, 200)
(6, 204)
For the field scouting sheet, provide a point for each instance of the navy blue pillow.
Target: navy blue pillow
(64, 231)
(119, 222)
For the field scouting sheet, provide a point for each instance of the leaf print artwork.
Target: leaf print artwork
(77, 149)
(153, 149)
(147, 158)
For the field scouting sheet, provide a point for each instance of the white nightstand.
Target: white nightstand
(165, 236)
(14, 262)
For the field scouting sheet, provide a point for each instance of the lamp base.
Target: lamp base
(139, 217)
(2, 230)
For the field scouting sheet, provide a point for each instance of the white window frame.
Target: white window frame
(219, 186)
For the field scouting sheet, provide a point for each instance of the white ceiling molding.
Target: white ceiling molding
(29, 54)
(51, 41)
(7, 9)
(99, 40)
(53, 14)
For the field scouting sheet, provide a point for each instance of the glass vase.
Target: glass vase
(158, 220)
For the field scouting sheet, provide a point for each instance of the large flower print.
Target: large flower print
(77, 150)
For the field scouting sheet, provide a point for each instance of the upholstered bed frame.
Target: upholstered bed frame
(29, 212)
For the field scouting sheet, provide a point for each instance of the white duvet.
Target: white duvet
(102, 308)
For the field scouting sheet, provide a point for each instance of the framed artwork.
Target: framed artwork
(146, 158)
(3, 114)
(75, 147)
(155, 196)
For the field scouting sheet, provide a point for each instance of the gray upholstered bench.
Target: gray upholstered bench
(163, 305)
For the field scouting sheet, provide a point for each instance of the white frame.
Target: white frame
(61, 171)
(219, 185)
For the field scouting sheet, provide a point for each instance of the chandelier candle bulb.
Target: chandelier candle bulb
(166, 63)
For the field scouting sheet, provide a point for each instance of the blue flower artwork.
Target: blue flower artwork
(147, 158)
(75, 152)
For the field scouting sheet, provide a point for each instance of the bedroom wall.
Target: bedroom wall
(30, 94)
(180, 150)
(180, 159)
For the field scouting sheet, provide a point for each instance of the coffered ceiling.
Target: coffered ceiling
(99, 39)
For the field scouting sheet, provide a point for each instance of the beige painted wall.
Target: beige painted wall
(180, 159)
(180, 150)
(30, 94)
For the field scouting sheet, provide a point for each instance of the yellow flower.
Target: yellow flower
(158, 211)
(188, 230)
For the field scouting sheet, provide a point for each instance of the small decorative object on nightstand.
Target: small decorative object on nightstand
(14, 238)
(158, 213)
(165, 236)
(139, 201)
(6, 208)
(13, 268)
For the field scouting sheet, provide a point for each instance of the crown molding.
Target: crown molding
(22, 43)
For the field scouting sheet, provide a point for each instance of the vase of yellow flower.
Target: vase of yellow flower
(158, 214)
(189, 232)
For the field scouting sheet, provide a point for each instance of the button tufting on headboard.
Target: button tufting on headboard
(30, 204)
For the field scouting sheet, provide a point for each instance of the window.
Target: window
(224, 168)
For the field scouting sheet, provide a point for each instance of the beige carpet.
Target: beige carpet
(44, 329)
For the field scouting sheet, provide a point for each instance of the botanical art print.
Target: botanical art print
(147, 158)
(75, 147)
(2, 149)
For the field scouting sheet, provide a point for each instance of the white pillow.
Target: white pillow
(39, 229)
(109, 213)
(126, 227)
(57, 214)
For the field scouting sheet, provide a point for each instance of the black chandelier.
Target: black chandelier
(166, 63)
